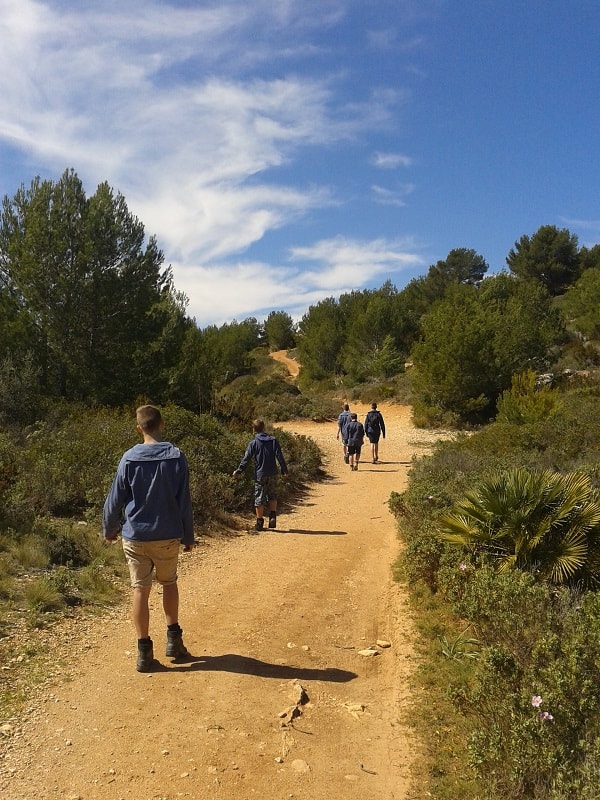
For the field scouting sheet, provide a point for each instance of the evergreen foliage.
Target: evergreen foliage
(550, 256)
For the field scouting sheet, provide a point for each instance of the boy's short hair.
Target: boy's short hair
(373, 405)
(346, 407)
(148, 418)
(258, 426)
(354, 415)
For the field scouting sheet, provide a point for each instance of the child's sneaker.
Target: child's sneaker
(260, 524)
(272, 520)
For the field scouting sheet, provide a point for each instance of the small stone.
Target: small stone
(279, 760)
(185, 775)
(305, 647)
(383, 643)
(369, 652)
(165, 752)
(354, 707)
(300, 766)
(68, 742)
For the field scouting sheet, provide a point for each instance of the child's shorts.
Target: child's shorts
(265, 489)
(354, 449)
(145, 557)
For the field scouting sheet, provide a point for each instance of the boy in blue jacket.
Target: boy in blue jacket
(266, 452)
(149, 503)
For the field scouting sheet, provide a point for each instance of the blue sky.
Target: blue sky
(284, 151)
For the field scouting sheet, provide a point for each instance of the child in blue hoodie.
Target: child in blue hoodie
(266, 452)
(150, 505)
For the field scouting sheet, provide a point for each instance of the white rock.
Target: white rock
(299, 765)
(368, 652)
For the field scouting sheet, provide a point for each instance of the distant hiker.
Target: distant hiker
(356, 434)
(374, 428)
(343, 420)
(151, 490)
(266, 452)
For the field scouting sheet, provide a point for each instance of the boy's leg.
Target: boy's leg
(171, 603)
(260, 500)
(140, 611)
(260, 517)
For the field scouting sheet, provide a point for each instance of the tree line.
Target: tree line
(90, 313)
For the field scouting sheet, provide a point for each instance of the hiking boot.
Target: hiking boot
(175, 645)
(260, 524)
(346, 459)
(272, 520)
(145, 657)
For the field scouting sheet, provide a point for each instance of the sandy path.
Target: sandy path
(261, 613)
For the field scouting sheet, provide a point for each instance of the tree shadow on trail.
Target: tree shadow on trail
(244, 665)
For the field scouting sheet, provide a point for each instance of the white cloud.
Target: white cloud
(391, 160)
(162, 102)
(392, 197)
(328, 268)
(350, 263)
(591, 225)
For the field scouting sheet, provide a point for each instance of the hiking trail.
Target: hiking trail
(278, 701)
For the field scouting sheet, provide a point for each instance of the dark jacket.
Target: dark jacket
(152, 490)
(343, 420)
(374, 423)
(355, 433)
(266, 452)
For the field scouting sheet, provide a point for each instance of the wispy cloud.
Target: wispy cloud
(195, 114)
(329, 267)
(391, 160)
(351, 263)
(591, 225)
(392, 197)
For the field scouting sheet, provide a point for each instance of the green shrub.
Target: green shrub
(526, 402)
(42, 596)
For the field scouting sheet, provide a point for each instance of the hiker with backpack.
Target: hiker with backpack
(374, 428)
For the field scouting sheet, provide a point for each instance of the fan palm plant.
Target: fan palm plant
(540, 521)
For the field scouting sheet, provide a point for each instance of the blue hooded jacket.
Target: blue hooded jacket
(266, 452)
(152, 488)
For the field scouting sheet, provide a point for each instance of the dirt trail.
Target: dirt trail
(262, 614)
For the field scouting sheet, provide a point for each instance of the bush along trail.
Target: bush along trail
(298, 685)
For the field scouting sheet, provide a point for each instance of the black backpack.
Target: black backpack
(372, 424)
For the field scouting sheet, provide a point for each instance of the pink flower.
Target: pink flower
(536, 701)
(462, 567)
(544, 715)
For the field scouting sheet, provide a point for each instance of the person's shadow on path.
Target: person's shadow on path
(244, 665)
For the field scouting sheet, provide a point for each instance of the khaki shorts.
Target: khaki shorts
(145, 557)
